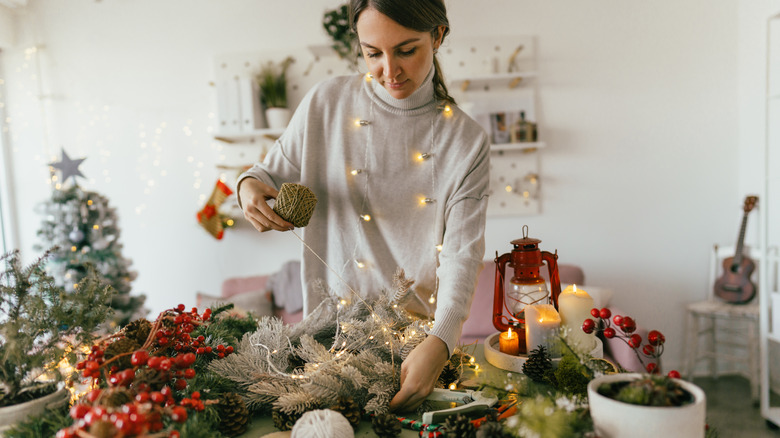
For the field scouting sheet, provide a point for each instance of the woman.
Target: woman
(401, 177)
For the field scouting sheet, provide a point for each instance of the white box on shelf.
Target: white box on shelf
(229, 105)
(251, 112)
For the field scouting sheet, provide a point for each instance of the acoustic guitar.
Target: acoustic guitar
(734, 286)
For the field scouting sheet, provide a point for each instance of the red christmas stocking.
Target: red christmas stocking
(209, 217)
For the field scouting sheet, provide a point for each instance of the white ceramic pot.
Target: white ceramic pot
(11, 415)
(613, 419)
(277, 118)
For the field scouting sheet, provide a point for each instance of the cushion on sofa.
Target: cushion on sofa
(238, 285)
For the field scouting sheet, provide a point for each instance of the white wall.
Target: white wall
(639, 104)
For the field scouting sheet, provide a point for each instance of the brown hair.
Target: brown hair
(418, 15)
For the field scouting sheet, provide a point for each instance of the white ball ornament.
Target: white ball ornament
(322, 423)
(76, 235)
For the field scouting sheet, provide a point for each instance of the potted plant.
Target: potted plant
(669, 406)
(666, 406)
(41, 327)
(272, 81)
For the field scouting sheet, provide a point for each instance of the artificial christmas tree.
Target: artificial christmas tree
(85, 228)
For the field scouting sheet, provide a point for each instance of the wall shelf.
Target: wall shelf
(500, 80)
(248, 136)
(524, 146)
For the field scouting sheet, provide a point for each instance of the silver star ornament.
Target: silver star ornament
(68, 167)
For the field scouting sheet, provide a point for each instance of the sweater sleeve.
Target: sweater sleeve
(463, 249)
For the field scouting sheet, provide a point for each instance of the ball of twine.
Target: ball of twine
(295, 204)
(322, 423)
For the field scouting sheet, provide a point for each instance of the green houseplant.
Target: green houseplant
(40, 326)
(336, 24)
(272, 81)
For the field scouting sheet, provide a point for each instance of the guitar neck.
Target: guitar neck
(740, 241)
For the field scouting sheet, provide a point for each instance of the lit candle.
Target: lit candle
(542, 323)
(574, 306)
(509, 342)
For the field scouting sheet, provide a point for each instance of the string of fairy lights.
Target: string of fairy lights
(364, 173)
(91, 132)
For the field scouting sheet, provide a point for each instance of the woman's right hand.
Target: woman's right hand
(254, 195)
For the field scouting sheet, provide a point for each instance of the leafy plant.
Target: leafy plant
(336, 24)
(41, 324)
(272, 81)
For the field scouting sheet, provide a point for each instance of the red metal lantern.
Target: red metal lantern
(527, 285)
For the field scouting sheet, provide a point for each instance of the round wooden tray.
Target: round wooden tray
(515, 363)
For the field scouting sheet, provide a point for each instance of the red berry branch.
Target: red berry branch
(135, 400)
(624, 329)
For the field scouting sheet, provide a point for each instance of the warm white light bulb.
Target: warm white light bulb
(366, 217)
(508, 189)
(356, 171)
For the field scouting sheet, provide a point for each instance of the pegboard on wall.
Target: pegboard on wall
(486, 75)
(494, 79)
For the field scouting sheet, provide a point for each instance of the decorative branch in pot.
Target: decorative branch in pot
(40, 326)
(272, 81)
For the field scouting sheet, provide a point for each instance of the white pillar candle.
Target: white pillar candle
(575, 305)
(542, 323)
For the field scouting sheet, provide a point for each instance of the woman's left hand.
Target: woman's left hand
(419, 373)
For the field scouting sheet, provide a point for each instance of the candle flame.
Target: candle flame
(575, 287)
(510, 332)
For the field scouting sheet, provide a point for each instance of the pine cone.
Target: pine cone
(450, 374)
(492, 429)
(103, 429)
(233, 414)
(347, 407)
(121, 346)
(138, 330)
(459, 426)
(115, 397)
(538, 364)
(284, 421)
(386, 425)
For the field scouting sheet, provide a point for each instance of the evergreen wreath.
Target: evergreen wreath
(342, 350)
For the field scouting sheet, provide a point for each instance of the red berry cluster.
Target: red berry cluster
(90, 367)
(183, 323)
(626, 326)
(164, 363)
(139, 417)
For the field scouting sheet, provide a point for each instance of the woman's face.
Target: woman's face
(398, 57)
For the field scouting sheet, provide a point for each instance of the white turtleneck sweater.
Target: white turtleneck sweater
(427, 214)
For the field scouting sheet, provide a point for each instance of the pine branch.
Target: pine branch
(296, 402)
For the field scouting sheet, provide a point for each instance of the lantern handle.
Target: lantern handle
(555, 278)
